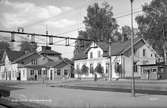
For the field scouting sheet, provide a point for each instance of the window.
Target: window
(33, 61)
(31, 72)
(107, 67)
(135, 67)
(99, 54)
(151, 55)
(44, 72)
(154, 70)
(65, 72)
(144, 52)
(39, 72)
(134, 50)
(91, 68)
(91, 55)
(58, 72)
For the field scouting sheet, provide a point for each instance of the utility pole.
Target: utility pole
(110, 62)
(132, 51)
(165, 43)
(46, 34)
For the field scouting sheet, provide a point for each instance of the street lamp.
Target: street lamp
(132, 51)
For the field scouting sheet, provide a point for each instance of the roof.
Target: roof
(61, 65)
(25, 56)
(117, 48)
(68, 61)
(12, 55)
(32, 66)
(51, 63)
(1, 54)
(49, 52)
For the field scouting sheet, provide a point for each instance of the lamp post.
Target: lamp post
(132, 51)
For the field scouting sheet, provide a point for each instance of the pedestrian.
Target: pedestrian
(95, 78)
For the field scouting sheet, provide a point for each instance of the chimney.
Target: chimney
(44, 48)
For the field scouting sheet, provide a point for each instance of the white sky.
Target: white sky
(62, 17)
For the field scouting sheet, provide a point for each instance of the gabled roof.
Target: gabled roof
(12, 55)
(1, 54)
(117, 48)
(25, 56)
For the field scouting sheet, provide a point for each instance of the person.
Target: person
(95, 78)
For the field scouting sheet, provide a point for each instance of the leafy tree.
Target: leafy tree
(126, 32)
(99, 25)
(84, 69)
(99, 68)
(27, 46)
(4, 45)
(150, 24)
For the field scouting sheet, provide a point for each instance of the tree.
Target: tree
(78, 71)
(99, 69)
(84, 69)
(150, 24)
(126, 32)
(99, 25)
(27, 46)
(4, 45)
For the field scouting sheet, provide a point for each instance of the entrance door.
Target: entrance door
(19, 76)
(51, 75)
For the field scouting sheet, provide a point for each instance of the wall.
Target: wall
(23, 73)
(67, 67)
(149, 58)
(8, 69)
(94, 61)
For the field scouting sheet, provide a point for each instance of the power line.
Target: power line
(47, 35)
(117, 17)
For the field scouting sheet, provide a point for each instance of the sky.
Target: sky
(59, 17)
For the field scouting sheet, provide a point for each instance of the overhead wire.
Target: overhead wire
(117, 17)
(83, 26)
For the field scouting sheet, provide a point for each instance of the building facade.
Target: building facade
(43, 65)
(121, 67)
(9, 69)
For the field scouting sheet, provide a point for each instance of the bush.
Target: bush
(99, 69)
(84, 69)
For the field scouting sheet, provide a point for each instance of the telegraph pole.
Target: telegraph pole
(110, 62)
(132, 51)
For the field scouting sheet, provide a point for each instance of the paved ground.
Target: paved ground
(75, 98)
(146, 87)
(46, 94)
